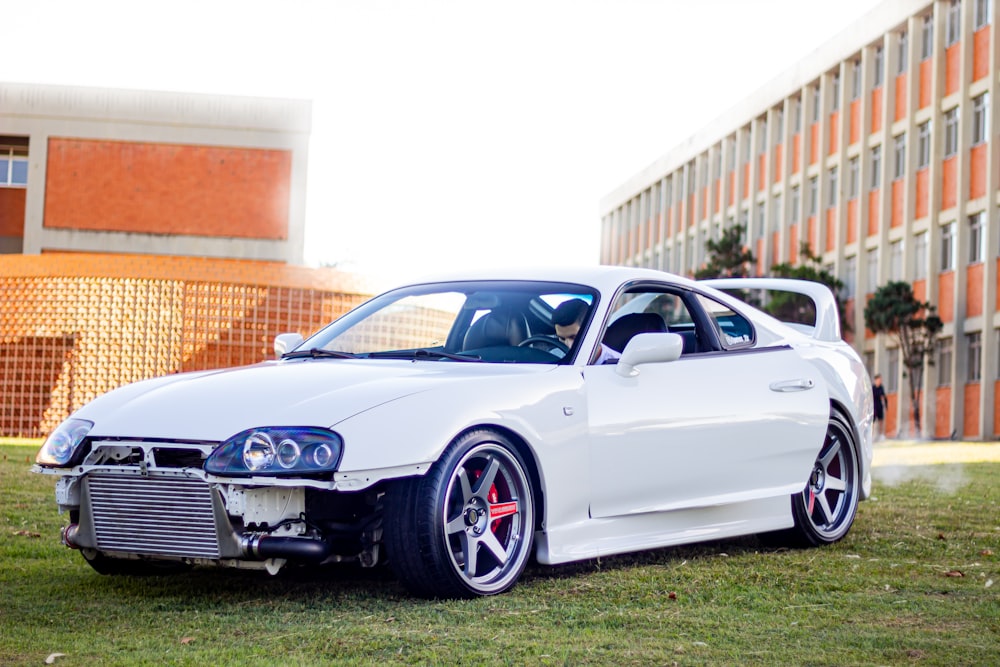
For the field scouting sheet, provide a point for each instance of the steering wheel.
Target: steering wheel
(553, 346)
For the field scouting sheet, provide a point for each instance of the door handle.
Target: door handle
(802, 384)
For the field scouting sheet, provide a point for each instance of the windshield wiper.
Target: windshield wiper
(423, 353)
(318, 352)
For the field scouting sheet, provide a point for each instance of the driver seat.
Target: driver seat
(621, 331)
(500, 326)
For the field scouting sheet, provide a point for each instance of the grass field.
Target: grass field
(916, 582)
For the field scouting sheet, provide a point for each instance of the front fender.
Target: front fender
(407, 434)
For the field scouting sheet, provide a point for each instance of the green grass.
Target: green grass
(889, 594)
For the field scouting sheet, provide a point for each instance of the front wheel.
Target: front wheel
(465, 528)
(824, 511)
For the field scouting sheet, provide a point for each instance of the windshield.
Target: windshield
(496, 321)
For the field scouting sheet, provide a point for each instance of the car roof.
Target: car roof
(605, 278)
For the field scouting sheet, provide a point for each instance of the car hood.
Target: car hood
(216, 405)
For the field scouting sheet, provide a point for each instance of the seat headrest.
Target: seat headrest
(620, 331)
(498, 327)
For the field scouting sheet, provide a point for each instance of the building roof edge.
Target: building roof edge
(878, 21)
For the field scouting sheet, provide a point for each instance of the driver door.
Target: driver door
(709, 428)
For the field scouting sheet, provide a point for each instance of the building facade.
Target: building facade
(95, 170)
(146, 233)
(880, 151)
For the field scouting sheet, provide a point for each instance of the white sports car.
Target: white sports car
(456, 427)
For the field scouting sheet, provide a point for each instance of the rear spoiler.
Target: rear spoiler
(827, 327)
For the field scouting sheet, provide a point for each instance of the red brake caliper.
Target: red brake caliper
(498, 510)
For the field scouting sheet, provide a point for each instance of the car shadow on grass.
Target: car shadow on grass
(357, 587)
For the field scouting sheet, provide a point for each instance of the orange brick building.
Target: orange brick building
(880, 150)
(147, 233)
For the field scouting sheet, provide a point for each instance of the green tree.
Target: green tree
(895, 311)
(790, 307)
(727, 257)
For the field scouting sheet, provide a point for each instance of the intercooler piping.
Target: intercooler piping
(300, 549)
(69, 534)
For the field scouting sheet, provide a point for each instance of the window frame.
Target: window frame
(951, 120)
(948, 247)
(980, 118)
(924, 145)
(977, 237)
(974, 365)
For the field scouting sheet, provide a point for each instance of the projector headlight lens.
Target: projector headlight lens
(303, 450)
(63, 443)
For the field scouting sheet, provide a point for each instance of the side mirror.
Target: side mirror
(286, 342)
(647, 348)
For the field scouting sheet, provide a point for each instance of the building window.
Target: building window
(779, 123)
(850, 277)
(948, 247)
(903, 59)
(796, 115)
(852, 178)
(892, 374)
(974, 341)
(878, 66)
(779, 214)
(981, 14)
(927, 38)
(813, 196)
(13, 166)
(872, 270)
(896, 260)
(950, 132)
(953, 23)
(835, 102)
(976, 237)
(980, 118)
(833, 183)
(876, 155)
(920, 256)
(760, 219)
(944, 361)
(796, 203)
(924, 145)
(899, 155)
(762, 136)
(855, 79)
(815, 104)
(717, 163)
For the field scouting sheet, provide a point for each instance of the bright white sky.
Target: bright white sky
(446, 134)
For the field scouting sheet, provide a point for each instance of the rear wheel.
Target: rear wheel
(824, 511)
(465, 528)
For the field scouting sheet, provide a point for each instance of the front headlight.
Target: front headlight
(277, 451)
(62, 444)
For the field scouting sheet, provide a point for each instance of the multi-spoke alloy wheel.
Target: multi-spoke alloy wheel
(825, 509)
(465, 528)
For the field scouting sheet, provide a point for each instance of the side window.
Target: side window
(643, 311)
(734, 330)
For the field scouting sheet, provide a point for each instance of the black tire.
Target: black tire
(129, 567)
(465, 529)
(825, 509)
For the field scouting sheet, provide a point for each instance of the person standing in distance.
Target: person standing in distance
(881, 405)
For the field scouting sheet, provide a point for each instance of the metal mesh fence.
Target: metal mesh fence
(66, 339)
